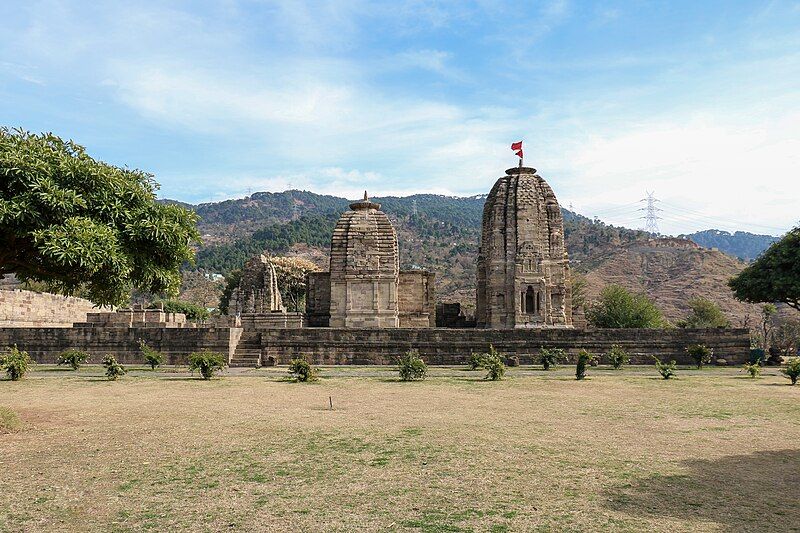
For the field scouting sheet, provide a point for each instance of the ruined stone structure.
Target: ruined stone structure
(365, 310)
(22, 309)
(523, 269)
(365, 287)
(257, 291)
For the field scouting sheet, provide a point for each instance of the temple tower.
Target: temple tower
(365, 269)
(523, 268)
(257, 291)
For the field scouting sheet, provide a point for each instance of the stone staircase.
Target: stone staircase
(248, 350)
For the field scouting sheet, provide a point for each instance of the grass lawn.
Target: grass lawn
(621, 451)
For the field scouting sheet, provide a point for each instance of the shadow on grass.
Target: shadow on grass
(751, 492)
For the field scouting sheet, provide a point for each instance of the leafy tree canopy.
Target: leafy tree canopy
(620, 308)
(72, 222)
(704, 313)
(773, 277)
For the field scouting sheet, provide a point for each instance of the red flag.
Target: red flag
(519, 153)
(516, 146)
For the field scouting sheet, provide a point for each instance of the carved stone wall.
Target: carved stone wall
(416, 299)
(318, 299)
(258, 289)
(523, 268)
(364, 269)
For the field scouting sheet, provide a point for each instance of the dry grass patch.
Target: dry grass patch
(538, 451)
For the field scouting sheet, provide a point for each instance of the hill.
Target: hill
(672, 271)
(438, 233)
(746, 246)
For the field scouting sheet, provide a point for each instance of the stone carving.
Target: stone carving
(257, 291)
(364, 269)
(523, 268)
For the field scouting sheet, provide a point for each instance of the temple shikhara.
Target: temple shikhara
(365, 309)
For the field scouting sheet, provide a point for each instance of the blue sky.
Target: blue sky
(697, 101)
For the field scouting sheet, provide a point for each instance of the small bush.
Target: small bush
(700, 353)
(550, 357)
(73, 358)
(667, 370)
(302, 370)
(792, 370)
(151, 357)
(617, 357)
(15, 362)
(494, 365)
(753, 369)
(113, 368)
(584, 358)
(475, 361)
(411, 366)
(206, 362)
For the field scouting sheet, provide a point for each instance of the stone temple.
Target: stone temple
(366, 310)
(365, 287)
(523, 268)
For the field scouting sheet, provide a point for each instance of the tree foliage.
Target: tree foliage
(704, 313)
(620, 308)
(192, 311)
(291, 275)
(73, 222)
(15, 362)
(773, 277)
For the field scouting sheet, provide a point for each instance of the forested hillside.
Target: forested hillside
(439, 233)
(746, 246)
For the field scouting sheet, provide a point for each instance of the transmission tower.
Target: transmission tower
(650, 217)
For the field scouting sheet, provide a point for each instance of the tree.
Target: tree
(620, 308)
(75, 223)
(787, 336)
(768, 312)
(773, 277)
(231, 282)
(192, 311)
(704, 313)
(579, 286)
(291, 273)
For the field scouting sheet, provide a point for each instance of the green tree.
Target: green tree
(773, 277)
(75, 223)
(291, 276)
(704, 313)
(620, 308)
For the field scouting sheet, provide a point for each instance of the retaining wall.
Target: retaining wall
(45, 344)
(24, 309)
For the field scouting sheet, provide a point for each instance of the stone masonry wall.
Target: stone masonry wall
(21, 309)
(452, 346)
(372, 346)
(45, 344)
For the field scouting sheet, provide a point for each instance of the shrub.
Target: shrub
(302, 370)
(475, 361)
(753, 369)
(411, 366)
(15, 362)
(493, 364)
(113, 368)
(151, 357)
(206, 362)
(551, 356)
(617, 357)
(792, 370)
(617, 307)
(667, 370)
(73, 358)
(704, 313)
(584, 358)
(700, 353)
